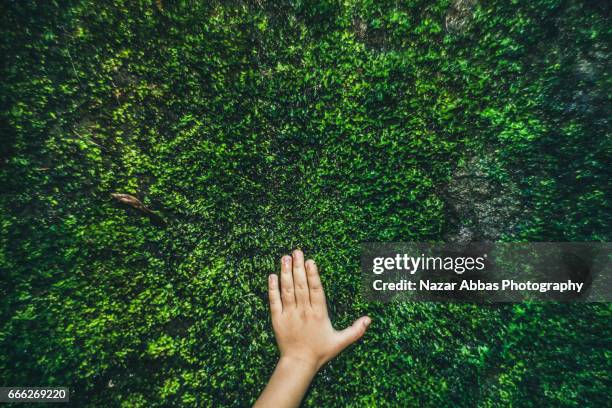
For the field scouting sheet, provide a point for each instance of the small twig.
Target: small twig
(88, 139)
(74, 68)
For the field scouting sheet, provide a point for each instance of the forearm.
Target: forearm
(288, 384)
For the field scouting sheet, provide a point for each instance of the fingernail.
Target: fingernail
(367, 321)
(286, 259)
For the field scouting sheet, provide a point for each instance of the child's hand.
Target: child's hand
(305, 336)
(301, 324)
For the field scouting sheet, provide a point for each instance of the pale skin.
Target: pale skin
(304, 334)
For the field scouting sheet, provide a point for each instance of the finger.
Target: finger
(276, 306)
(353, 333)
(299, 279)
(317, 295)
(287, 292)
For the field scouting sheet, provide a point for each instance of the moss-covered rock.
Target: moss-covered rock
(252, 128)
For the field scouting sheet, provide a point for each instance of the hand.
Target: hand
(304, 334)
(303, 331)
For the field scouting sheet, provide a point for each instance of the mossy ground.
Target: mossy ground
(256, 127)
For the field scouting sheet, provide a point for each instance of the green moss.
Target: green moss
(256, 127)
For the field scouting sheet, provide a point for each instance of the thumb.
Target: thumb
(353, 333)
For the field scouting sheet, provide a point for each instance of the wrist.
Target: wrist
(306, 365)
